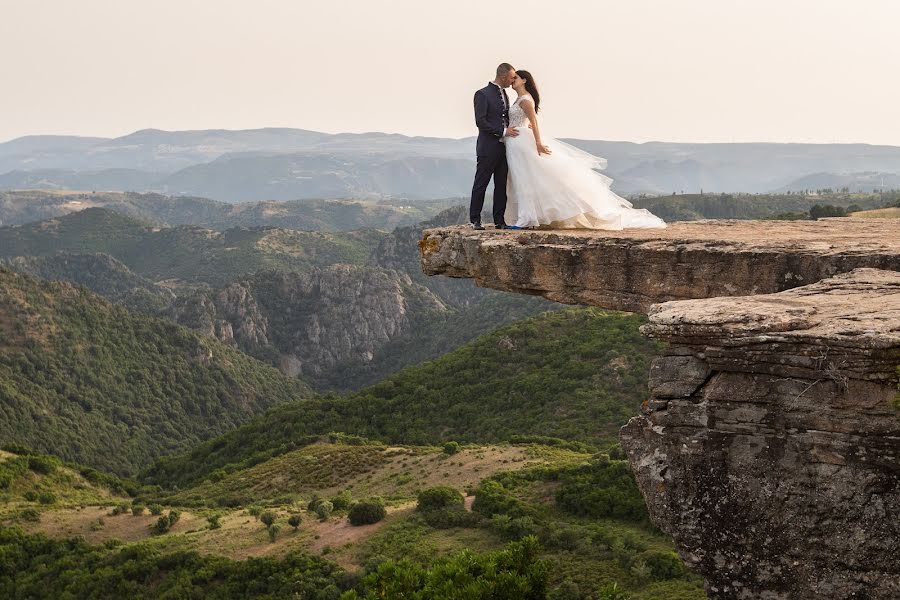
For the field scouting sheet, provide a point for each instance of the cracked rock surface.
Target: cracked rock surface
(770, 448)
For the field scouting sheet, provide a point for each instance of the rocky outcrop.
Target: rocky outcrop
(308, 323)
(770, 445)
(769, 448)
(633, 269)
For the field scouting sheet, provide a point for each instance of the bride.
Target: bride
(556, 184)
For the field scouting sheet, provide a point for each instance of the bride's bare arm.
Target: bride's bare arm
(528, 107)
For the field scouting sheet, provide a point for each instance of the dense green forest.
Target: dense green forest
(187, 253)
(91, 382)
(577, 374)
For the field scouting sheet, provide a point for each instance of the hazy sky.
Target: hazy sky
(688, 70)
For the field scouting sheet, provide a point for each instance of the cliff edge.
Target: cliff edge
(633, 269)
(769, 448)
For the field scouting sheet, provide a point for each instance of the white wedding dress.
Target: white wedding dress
(562, 189)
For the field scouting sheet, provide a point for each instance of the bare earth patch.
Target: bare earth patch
(125, 527)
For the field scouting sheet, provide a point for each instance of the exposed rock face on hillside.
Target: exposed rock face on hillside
(633, 269)
(770, 446)
(310, 321)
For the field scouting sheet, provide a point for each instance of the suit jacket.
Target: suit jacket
(491, 117)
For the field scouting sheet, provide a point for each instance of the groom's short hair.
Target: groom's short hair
(503, 69)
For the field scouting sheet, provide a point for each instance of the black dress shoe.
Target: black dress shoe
(501, 225)
(477, 226)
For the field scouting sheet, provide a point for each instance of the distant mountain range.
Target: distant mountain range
(289, 164)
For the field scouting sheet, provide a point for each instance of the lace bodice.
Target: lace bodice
(517, 116)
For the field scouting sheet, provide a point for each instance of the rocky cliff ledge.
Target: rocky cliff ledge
(769, 448)
(770, 445)
(633, 269)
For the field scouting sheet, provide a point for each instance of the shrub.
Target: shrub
(31, 495)
(513, 528)
(268, 518)
(444, 518)
(42, 464)
(161, 526)
(273, 531)
(155, 509)
(342, 501)
(214, 521)
(30, 514)
(314, 503)
(137, 510)
(567, 590)
(217, 475)
(323, 509)
(294, 521)
(367, 512)
(439, 497)
(612, 591)
(491, 498)
(98, 524)
(451, 448)
(255, 511)
(174, 515)
(663, 564)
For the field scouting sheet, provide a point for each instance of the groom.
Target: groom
(492, 119)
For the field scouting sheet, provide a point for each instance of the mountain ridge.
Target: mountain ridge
(306, 164)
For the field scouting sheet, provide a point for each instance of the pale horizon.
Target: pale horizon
(699, 71)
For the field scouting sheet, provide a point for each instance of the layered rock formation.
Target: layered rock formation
(770, 446)
(631, 270)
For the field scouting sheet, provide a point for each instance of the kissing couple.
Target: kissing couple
(539, 181)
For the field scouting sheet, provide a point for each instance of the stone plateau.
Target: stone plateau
(769, 448)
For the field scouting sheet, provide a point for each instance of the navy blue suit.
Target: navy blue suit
(491, 117)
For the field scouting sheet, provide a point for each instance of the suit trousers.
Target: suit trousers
(490, 164)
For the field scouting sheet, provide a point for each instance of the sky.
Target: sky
(638, 70)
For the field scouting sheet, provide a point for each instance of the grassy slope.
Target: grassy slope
(90, 382)
(590, 552)
(577, 374)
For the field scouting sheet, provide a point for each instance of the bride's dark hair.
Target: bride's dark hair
(530, 87)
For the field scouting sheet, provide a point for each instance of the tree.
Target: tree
(439, 497)
(367, 512)
(294, 521)
(268, 518)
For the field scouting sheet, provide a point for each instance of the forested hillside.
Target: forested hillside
(91, 382)
(577, 374)
(25, 206)
(191, 254)
(340, 310)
